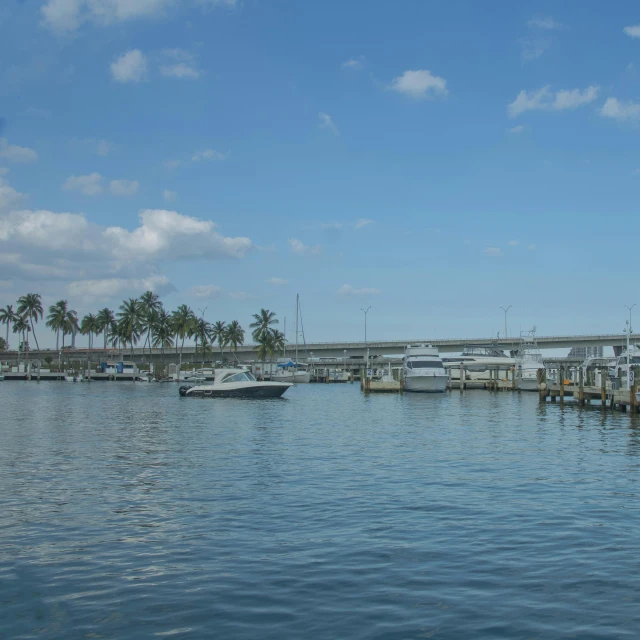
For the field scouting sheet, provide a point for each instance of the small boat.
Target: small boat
(234, 383)
(72, 378)
(423, 370)
(291, 370)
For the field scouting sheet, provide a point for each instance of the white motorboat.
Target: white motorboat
(423, 370)
(235, 383)
(528, 362)
(72, 378)
(618, 365)
(478, 362)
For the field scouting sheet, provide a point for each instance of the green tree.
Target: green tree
(30, 308)
(262, 323)
(130, 318)
(3, 344)
(151, 305)
(7, 316)
(90, 327)
(202, 333)
(57, 318)
(183, 320)
(266, 347)
(106, 324)
(70, 326)
(234, 336)
(219, 333)
(163, 332)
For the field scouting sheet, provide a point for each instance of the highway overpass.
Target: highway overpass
(326, 349)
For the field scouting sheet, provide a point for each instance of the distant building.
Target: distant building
(582, 353)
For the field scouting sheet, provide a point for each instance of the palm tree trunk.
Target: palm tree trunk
(34, 334)
(58, 340)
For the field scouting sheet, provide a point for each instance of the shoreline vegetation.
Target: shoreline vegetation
(138, 321)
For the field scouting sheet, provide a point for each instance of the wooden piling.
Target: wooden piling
(462, 378)
(603, 387)
(581, 387)
(561, 384)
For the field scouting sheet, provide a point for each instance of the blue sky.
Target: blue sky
(432, 160)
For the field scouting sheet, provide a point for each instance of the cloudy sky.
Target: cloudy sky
(431, 160)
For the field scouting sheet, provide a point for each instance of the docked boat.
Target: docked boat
(423, 370)
(618, 365)
(478, 362)
(528, 362)
(291, 370)
(234, 383)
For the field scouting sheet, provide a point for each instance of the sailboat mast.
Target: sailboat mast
(297, 305)
(284, 342)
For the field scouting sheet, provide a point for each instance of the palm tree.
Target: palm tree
(266, 347)
(151, 304)
(162, 332)
(202, 332)
(7, 316)
(279, 341)
(262, 324)
(106, 324)
(56, 319)
(70, 326)
(21, 326)
(90, 327)
(183, 324)
(130, 319)
(219, 333)
(3, 345)
(30, 307)
(234, 336)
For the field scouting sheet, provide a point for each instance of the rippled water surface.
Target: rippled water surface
(128, 512)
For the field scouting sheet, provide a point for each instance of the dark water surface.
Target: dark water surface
(128, 512)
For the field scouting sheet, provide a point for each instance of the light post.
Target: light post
(365, 325)
(344, 362)
(629, 331)
(506, 335)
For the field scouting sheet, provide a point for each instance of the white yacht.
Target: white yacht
(235, 383)
(528, 362)
(423, 370)
(618, 365)
(479, 361)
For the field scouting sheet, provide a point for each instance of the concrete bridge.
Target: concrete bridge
(340, 350)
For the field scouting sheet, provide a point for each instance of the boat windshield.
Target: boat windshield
(425, 364)
(243, 376)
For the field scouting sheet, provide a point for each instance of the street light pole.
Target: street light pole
(365, 325)
(506, 335)
(629, 330)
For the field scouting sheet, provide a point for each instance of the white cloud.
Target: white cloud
(420, 84)
(9, 197)
(168, 234)
(302, 249)
(208, 154)
(545, 100)
(3, 171)
(543, 22)
(169, 196)
(103, 148)
(204, 291)
(278, 282)
(619, 110)
(119, 287)
(517, 129)
(90, 185)
(68, 15)
(533, 48)
(14, 153)
(493, 251)
(354, 64)
(633, 30)
(348, 290)
(124, 187)
(326, 122)
(513, 243)
(362, 223)
(131, 66)
(181, 70)
(240, 295)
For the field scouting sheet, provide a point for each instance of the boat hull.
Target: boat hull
(273, 390)
(300, 377)
(528, 384)
(425, 384)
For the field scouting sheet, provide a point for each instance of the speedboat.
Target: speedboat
(234, 383)
(528, 362)
(423, 370)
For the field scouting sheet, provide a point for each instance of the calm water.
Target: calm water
(128, 512)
